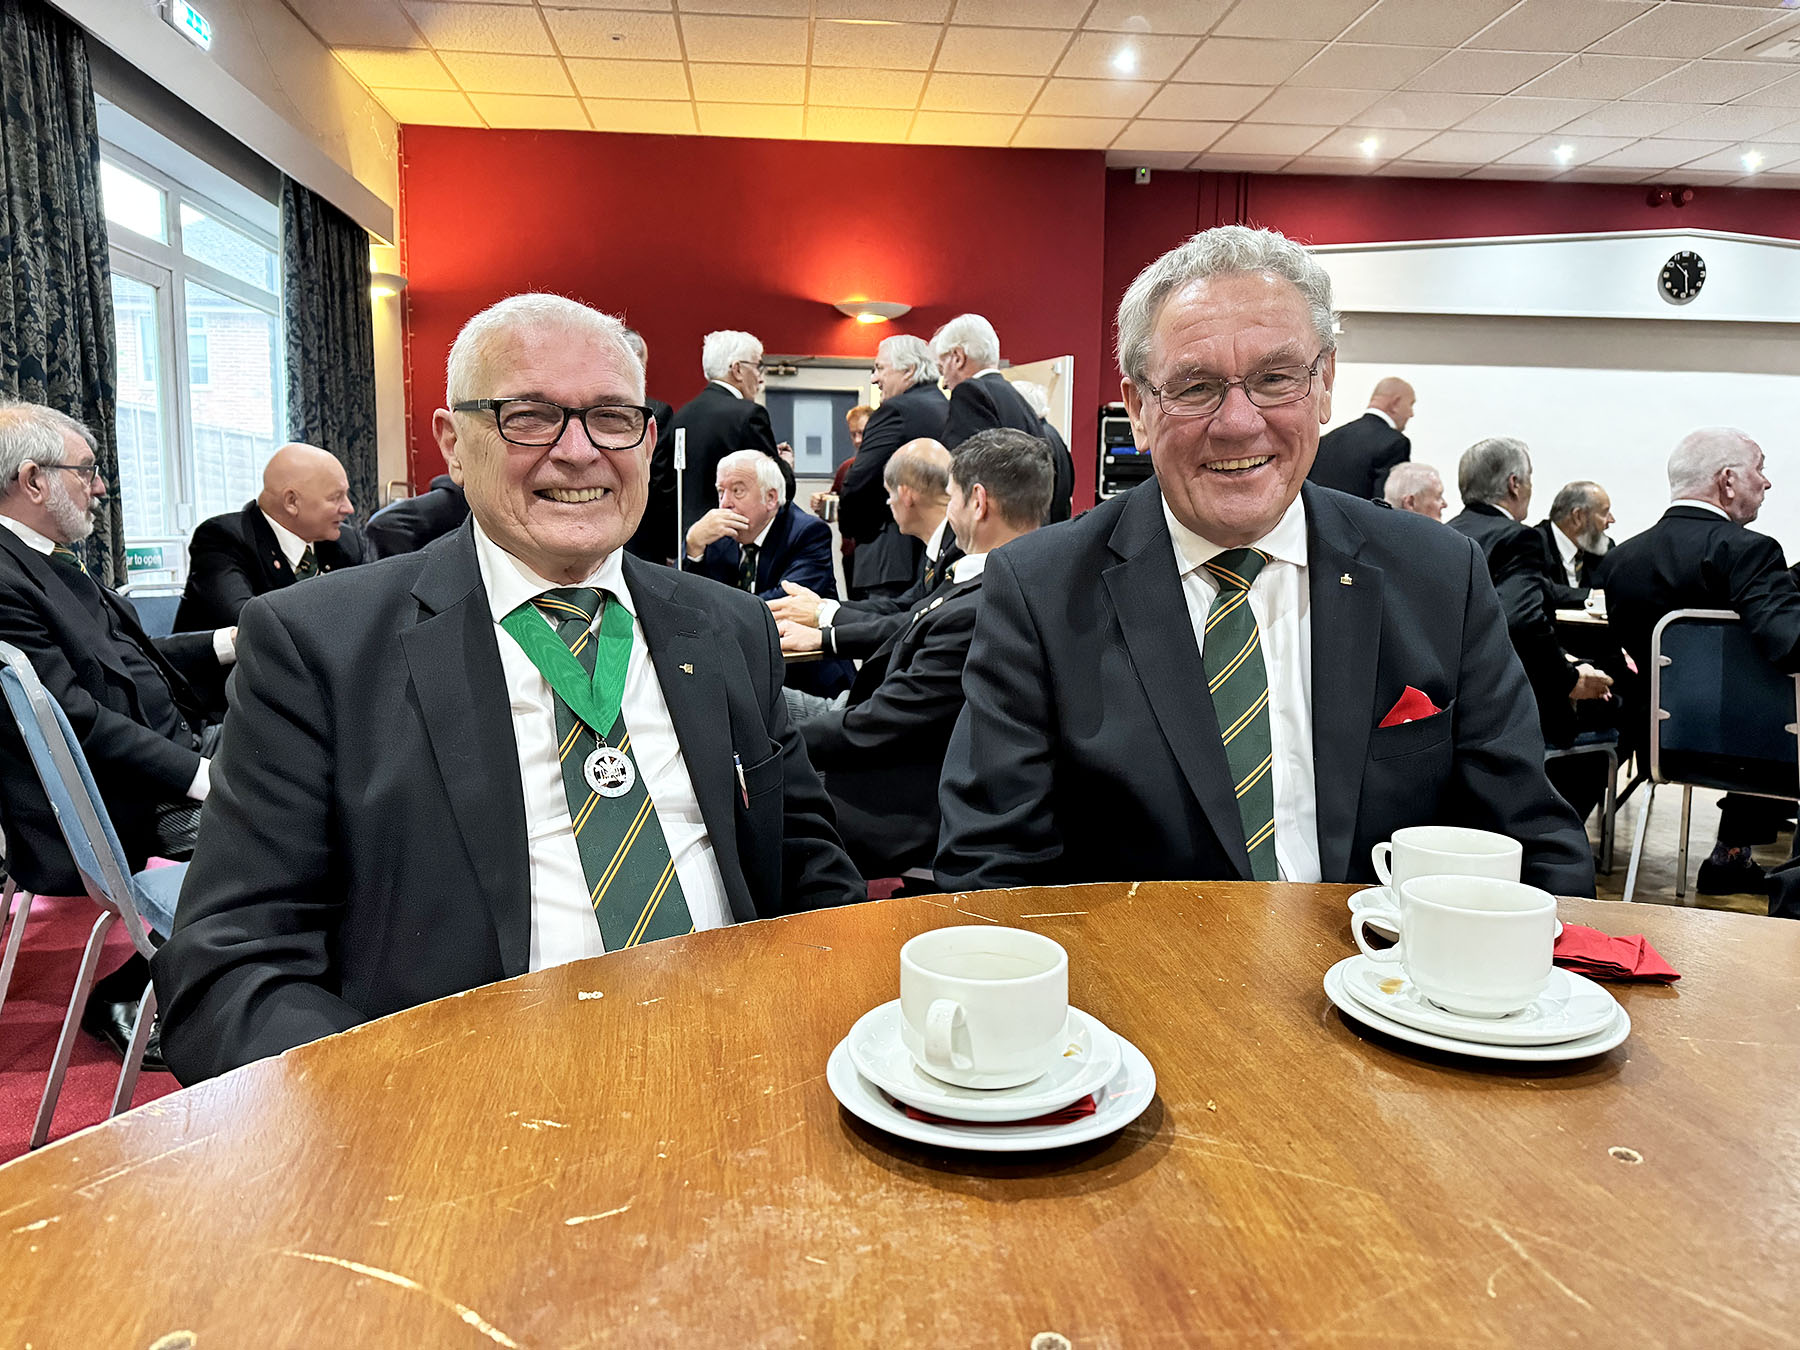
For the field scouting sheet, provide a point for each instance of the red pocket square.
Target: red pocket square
(1413, 706)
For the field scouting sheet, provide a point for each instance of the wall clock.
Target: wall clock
(1683, 276)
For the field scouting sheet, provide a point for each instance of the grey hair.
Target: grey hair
(1486, 465)
(487, 332)
(722, 350)
(1014, 467)
(974, 334)
(910, 355)
(1703, 453)
(1581, 495)
(635, 341)
(1407, 479)
(768, 472)
(923, 466)
(1226, 250)
(1035, 394)
(31, 433)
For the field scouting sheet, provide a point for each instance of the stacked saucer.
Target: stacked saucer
(1572, 1019)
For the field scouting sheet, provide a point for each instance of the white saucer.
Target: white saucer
(1091, 1059)
(1382, 897)
(1122, 1101)
(1571, 1006)
(1581, 1048)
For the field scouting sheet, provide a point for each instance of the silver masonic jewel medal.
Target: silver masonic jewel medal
(609, 772)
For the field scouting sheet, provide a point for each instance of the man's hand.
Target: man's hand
(711, 527)
(1590, 683)
(798, 606)
(785, 451)
(816, 502)
(798, 638)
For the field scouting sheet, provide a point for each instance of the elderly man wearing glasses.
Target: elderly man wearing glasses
(516, 748)
(1230, 673)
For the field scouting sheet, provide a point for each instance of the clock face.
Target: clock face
(1683, 276)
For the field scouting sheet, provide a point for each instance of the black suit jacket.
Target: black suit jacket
(717, 423)
(990, 401)
(797, 548)
(886, 561)
(364, 849)
(860, 627)
(1090, 751)
(882, 754)
(1356, 457)
(233, 557)
(654, 539)
(79, 662)
(408, 525)
(1563, 595)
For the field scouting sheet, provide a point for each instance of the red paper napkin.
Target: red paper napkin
(1072, 1112)
(1599, 956)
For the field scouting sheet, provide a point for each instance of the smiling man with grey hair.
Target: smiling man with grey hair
(1228, 673)
(886, 561)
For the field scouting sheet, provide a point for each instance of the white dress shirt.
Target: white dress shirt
(731, 389)
(1718, 511)
(1384, 416)
(562, 920)
(1282, 604)
(967, 568)
(293, 547)
(1566, 549)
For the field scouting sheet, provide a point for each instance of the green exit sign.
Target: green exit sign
(191, 24)
(147, 559)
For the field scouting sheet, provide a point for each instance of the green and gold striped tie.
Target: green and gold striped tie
(64, 556)
(631, 879)
(1240, 695)
(308, 566)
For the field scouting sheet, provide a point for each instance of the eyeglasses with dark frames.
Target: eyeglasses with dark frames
(87, 471)
(1270, 388)
(536, 422)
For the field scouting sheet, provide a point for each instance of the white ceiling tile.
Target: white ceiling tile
(1406, 168)
(661, 6)
(857, 124)
(379, 68)
(1632, 119)
(1119, 55)
(1220, 60)
(1092, 98)
(1205, 102)
(1786, 134)
(1012, 14)
(1245, 139)
(1068, 133)
(1190, 138)
(1557, 25)
(1600, 76)
(1466, 147)
(1705, 178)
(531, 112)
(629, 37)
(747, 84)
(1657, 154)
(1713, 81)
(489, 73)
(1778, 180)
(1516, 172)
(1731, 123)
(1548, 150)
(962, 128)
(1226, 163)
(780, 9)
(1170, 160)
(883, 11)
(481, 28)
(1677, 29)
(1000, 51)
(645, 116)
(1733, 159)
(1347, 143)
(1471, 72)
(1286, 19)
(836, 87)
(629, 79)
(429, 107)
(1191, 17)
(1427, 23)
(1329, 107)
(1594, 173)
(1428, 111)
(750, 119)
(980, 93)
(1519, 113)
(359, 23)
(1781, 94)
(1345, 65)
(715, 37)
(899, 46)
(1311, 163)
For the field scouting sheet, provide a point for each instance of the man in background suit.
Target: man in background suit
(651, 541)
(1575, 540)
(409, 524)
(1039, 398)
(722, 418)
(1356, 457)
(292, 531)
(754, 540)
(395, 817)
(968, 361)
(143, 710)
(1227, 673)
(887, 559)
(1415, 487)
(1702, 555)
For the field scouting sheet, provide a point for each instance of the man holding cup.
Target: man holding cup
(1227, 672)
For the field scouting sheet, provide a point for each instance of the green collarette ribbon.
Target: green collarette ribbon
(595, 701)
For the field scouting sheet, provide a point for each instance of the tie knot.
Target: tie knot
(569, 602)
(68, 557)
(1236, 568)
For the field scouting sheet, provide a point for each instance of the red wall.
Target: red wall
(681, 235)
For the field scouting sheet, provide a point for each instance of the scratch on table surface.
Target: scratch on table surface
(1268, 1167)
(583, 995)
(802, 1083)
(935, 904)
(1491, 1292)
(645, 1003)
(467, 1315)
(1058, 914)
(87, 1192)
(1393, 1291)
(40, 1224)
(1537, 1265)
(1133, 890)
(990, 918)
(410, 1054)
(575, 1220)
(541, 1124)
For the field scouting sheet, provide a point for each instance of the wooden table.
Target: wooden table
(641, 1150)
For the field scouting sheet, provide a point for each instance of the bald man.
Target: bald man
(293, 530)
(1356, 457)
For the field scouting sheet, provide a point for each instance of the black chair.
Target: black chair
(1721, 717)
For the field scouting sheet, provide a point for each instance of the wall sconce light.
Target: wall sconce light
(382, 285)
(872, 311)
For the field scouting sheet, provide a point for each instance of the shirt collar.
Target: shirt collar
(292, 546)
(510, 583)
(967, 567)
(763, 533)
(1566, 546)
(1718, 511)
(1285, 543)
(934, 546)
(987, 370)
(1377, 412)
(33, 540)
(731, 389)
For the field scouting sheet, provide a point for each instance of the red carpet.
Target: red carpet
(33, 1014)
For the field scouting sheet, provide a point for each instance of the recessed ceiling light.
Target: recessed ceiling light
(1125, 61)
(1752, 160)
(1369, 144)
(1564, 153)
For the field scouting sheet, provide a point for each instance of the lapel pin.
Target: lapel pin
(686, 669)
(1345, 580)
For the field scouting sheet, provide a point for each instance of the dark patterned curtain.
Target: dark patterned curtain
(330, 327)
(56, 314)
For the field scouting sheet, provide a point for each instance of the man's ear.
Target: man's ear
(1327, 377)
(443, 431)
(1134, 409)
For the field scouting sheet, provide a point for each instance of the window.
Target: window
(196, 347)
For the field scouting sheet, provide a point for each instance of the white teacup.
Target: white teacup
(1478, 946)
(1445, 850)
(984, 1007)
